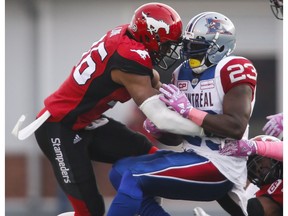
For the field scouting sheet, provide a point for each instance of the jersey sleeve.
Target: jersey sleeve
(273, 190)
(131, 57)
(236, 70)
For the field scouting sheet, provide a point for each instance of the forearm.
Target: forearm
(270, 149)
(231, 124)
(225, 125)
(168, 120)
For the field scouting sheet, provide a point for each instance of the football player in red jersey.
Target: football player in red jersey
(216, 91)
(267, 174)
(116, 68)
(265, 189)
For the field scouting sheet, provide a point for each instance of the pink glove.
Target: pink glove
(274, 126)
(176, 99)
(239, 148)
(150, 127)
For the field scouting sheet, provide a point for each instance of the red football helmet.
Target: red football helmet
(158, 27)
(263, 170)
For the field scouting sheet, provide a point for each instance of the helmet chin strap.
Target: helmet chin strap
(200, 69)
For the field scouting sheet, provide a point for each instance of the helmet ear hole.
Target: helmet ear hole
(147, 39)
(221, 49)
(157, 37)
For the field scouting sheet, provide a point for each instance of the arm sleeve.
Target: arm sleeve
(168, 120)
(270, 149)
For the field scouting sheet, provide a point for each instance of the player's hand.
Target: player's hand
(274, 126)
(176, 99)
(239, 148)
(150, 127)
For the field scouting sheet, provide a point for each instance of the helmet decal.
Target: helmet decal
(216, 25)
(154, 25)
(159, 28)
(208, 38)
(143, 53)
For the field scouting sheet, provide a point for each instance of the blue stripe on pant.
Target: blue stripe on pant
(189, 178)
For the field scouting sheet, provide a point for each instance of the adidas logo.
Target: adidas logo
(77, 139)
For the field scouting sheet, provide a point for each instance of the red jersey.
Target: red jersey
(89, 90)
(274, 190)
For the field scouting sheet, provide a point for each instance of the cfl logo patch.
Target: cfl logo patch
(183, 85)
(274, 186)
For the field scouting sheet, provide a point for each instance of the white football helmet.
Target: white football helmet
(208, 38)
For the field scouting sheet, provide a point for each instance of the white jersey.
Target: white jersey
(206, 92)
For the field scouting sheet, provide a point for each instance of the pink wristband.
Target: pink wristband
(197, 116)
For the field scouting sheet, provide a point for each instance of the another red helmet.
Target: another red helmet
(263, 170)
(158, 27)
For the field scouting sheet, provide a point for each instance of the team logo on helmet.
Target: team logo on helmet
(215, 26)
(143, 53)
(154, 25)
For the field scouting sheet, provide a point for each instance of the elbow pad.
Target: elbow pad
(168, 120)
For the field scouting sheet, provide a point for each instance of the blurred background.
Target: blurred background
(45, 38)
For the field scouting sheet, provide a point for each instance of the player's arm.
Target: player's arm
(156, 80)
(147, 98)
(236, 113)
(264, 205)
(236, 110)
(271, 149)
(238, 78)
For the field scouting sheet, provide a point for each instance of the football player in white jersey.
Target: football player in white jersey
(215, 91)
(268, 201)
